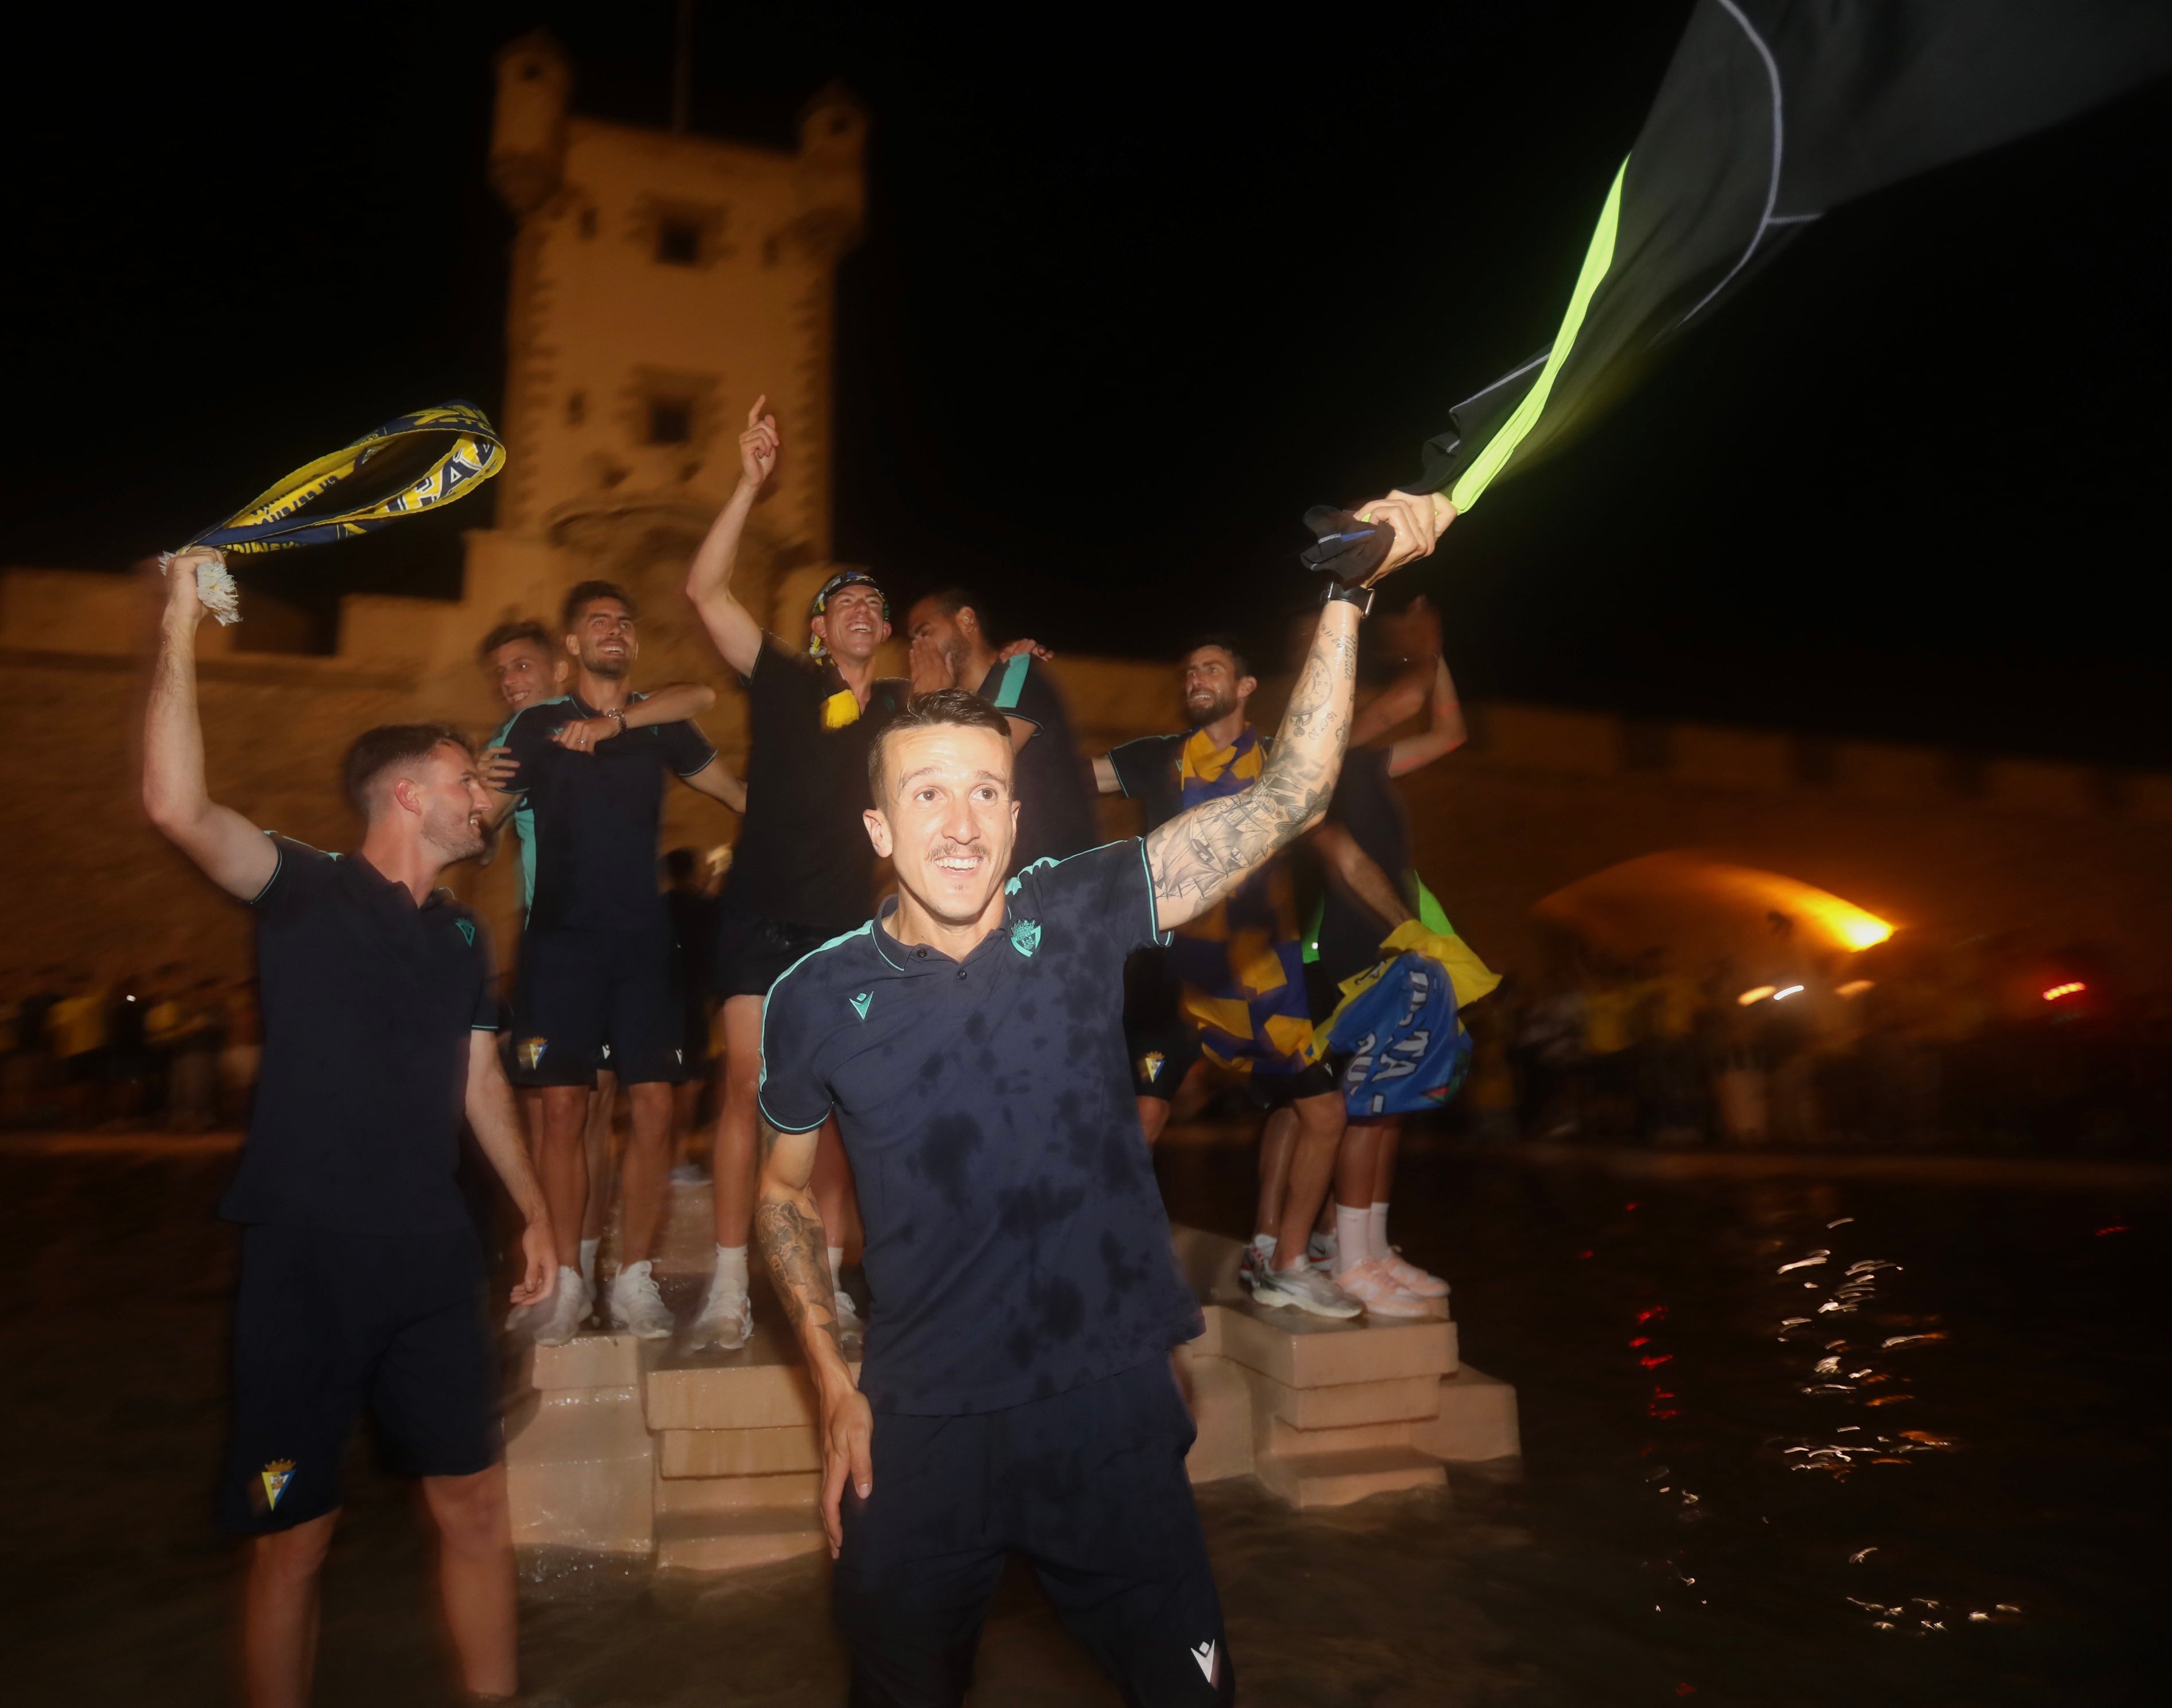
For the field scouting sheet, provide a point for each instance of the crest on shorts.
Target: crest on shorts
(1026, 935)
(275, 1476)
(1151, 1065)
(467, 929)
(860, 1001)
(530, 1051)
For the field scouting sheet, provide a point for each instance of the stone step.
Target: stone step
(1348, 1404)
(733, 1541)
(1337, 1479)
(793, 1490)
(1476, 1419)
(1277, 1439)
(1221, 1408)
(591, 1359)
(579, 1473)
(1302, 1350)
(738, 1453)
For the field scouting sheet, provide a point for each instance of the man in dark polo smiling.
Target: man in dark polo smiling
(1017, 1393)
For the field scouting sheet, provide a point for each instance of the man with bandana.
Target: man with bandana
(1232, 981)
(802, 872)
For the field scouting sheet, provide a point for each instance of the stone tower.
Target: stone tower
(660, 284)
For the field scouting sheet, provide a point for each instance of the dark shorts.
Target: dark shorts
(328, 1325)
(1090, 1486)
(598, 999)
(754, 950)
(1273, 1091)
(1161, 1057)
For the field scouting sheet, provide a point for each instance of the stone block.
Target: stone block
(788, 1490)
(1476, 1420)
(1308, 1352)
(587, 1361)
(731, 1396)
(734, 1541)
(1337, 1479)
(1278, 1439)
(738, 1453)
(1348, 1405)
(580, 1472)
(1222, 1413)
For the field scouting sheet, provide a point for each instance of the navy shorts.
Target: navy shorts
(599, 999)
(327, 1326)
(1090, 1486)
(1161, 1057)
(754, 950)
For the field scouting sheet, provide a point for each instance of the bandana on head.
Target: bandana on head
(843, 577)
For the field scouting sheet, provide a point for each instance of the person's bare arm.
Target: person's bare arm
(1104, 776)
(1445, 733)
(232, 853)
(730, 625)
(788, 1229)
(674, 704)
(716, 781)
(1198, 857)
(1354, 871)
(497, 1125)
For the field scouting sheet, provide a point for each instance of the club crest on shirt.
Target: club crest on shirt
(530, 1051)
(275, 1477)
(860, 1002)
(1151, 1065)
(467, 929)
(1026, 935)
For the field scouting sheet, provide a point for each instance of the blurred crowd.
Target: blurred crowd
(165, 1050)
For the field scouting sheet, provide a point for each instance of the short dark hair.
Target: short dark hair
(586, 594)
(1229, 644)
(928, 711)
(505, 634)
(379, 750)
(951, 600)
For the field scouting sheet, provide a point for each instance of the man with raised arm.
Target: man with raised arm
(802, 870)
(596, 988)
(360, 1270)
(1017, 1392)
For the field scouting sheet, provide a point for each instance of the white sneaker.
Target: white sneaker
(852, 1332)
(637, 1307)
(727, 1318)
(1373, 1287)
(559, 1318)
(1413, 1280)
(1304, 1288)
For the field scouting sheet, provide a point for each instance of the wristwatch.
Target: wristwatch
(617, 715)
(1338, 593)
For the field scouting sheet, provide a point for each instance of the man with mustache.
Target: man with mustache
(360, 1270)
(596, 984)
(1016, 1394)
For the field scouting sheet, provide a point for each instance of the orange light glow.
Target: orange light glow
(2059, 991)
(1756, 995)
(1854, 987)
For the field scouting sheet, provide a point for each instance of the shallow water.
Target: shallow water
(1701, 1510)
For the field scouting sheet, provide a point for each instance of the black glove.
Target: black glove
(1346, 548)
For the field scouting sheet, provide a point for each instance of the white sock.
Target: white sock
(731, 1267)
(836, 1268)
(588, 1248)
(1352, 1238)
(1377, 1217)
(563, 1271)
(1264, 1244)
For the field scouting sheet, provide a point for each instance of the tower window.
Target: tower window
(670, 422)
(679, 243)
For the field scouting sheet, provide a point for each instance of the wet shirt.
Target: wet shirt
(369, 1005)
(1365, 803)
(1057, 814)
(596, 816)
(803, 855)
(1016, 1243)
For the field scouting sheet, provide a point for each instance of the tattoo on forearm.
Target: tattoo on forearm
(793, 1245)
(1203, 853)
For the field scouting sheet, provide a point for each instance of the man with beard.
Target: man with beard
(524, 667)
(950, 648)
(802, 870)
(596, 987)
(361, 1273)
(1231, 980)
(1016, 1394)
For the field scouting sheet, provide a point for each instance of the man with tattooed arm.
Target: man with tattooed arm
(1017, 1392)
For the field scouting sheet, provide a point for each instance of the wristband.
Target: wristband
(617, 715)
(1337, 593)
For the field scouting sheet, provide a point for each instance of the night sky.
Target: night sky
(1132, 295)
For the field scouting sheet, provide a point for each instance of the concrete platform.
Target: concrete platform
(707, 1461)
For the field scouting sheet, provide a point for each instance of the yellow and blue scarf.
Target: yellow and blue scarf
(1240, 966)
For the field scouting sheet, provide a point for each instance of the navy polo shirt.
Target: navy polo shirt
(596, 815)
(1016, 1243)
(369, 1002)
